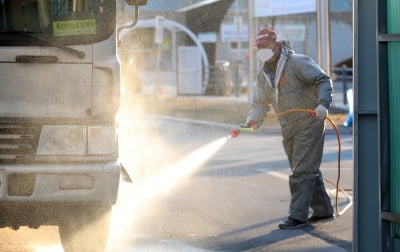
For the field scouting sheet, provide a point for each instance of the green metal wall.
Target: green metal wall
(376, 125)
(367, 223)
(393, 27)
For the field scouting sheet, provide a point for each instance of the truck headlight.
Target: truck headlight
(76, 140)
(101, 140)
(62, 140)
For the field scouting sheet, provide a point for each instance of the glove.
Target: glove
(321, 112)
(250, 124)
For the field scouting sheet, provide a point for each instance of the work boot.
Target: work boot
(291, 223)
(319, 219)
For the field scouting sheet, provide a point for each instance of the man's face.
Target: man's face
(271, 45)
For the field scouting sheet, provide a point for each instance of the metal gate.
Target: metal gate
(189, 71)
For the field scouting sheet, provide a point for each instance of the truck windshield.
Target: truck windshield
(67, 22)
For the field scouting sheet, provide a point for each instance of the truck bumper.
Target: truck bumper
(67, 183)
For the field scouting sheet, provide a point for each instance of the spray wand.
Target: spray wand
(236, 132)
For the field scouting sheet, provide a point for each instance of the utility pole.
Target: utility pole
(324, 38)
(251, 49)
(237, 63)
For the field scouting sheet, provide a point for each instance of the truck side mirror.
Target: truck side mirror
(136, 2)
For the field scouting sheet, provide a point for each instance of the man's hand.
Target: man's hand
(250, 124)
(321, 112)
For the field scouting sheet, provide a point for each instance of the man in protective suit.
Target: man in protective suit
(292, 81)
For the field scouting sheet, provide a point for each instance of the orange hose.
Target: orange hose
(312, 112)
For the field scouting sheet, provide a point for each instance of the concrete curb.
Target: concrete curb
(263, 130)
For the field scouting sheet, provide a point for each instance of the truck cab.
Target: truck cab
(60, 88)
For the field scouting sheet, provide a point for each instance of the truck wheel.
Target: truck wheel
(85, 230)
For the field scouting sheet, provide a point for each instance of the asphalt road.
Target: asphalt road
(197, 190)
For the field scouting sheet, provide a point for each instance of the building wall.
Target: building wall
(341, 35)
(341, 28)
(303, 25)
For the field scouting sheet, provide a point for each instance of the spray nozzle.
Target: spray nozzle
(236, 132)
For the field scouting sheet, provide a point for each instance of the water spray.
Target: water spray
(236, 132)
(134, 198)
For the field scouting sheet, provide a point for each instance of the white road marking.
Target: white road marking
(274, 173)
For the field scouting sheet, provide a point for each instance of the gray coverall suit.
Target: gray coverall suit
(298, 83)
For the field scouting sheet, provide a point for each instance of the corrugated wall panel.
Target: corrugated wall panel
(393, 25)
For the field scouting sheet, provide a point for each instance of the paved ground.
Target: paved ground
(236, 200)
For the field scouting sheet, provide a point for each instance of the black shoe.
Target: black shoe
(319, 219)
(291, 223)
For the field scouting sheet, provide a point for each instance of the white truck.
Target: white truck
(59, 95)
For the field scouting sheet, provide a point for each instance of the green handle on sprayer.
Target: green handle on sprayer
(246, 129)
(236, 132)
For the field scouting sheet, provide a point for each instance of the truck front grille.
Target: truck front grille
(18, 142)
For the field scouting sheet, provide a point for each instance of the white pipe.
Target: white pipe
(171, 25)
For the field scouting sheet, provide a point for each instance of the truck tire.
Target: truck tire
(86, 229)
